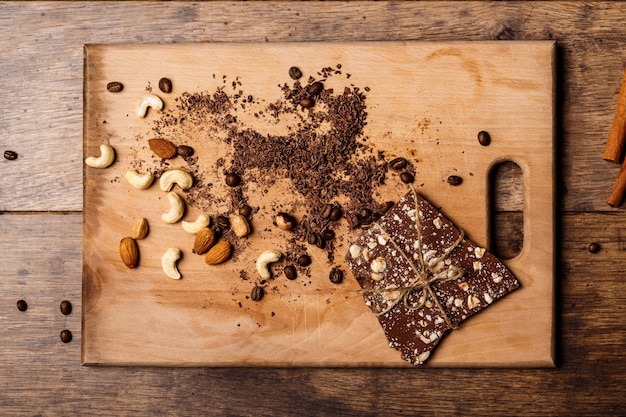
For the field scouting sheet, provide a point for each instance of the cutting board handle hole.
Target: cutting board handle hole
(506, 209)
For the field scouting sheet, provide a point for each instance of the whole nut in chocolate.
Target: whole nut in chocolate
(335, 213)
(184, 151)
(232, 179)
(407, 177)
(165, 85)
(66, 336)
(291, 272)
(316, 88)
(307, 103)
(245, 210)
(484, 138)
(304, 260)
(22, 305)
(66, 307)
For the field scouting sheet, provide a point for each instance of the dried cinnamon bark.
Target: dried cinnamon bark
(422, 277)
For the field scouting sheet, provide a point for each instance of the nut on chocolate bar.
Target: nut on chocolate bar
(421, 276)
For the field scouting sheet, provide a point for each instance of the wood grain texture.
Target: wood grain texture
(42, 46)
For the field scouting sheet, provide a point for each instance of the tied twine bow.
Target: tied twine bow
(429, 271)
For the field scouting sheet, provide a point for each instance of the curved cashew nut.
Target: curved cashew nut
(175, 176)
(139, 181)
(194, 227)
(177, 208)
(263, 261)
(106, 158)
(168, 262)
(148, 100)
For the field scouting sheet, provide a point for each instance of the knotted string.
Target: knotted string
(428, 271)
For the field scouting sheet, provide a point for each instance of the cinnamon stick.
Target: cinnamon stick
(619, 188)
(617, 136)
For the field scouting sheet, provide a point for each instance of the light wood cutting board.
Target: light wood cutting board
(426, 101)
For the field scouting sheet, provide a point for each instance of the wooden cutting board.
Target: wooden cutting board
(425, 101)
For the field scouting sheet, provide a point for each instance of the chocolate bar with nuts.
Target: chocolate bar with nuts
(422, 277)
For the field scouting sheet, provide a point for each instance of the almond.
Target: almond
(218, 253)
(140, 229)
(129, 252)
(205, 238)
(162, 148)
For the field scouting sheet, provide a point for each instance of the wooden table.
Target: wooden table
(41, 201)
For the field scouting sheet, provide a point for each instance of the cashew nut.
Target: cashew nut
(168, 262)
(194, 227)
(148, 100)
(139, 181)
(263, 261)
(106, 158)
(177, 208)
(175, 176)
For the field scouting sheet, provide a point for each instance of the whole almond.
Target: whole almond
(218, 253)
(140, 229)
(239, 225)
(162, 148)
(129, 252)
(205, 238)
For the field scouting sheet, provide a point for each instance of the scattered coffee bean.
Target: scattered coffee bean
(353, 220)
(22, 305)
(245, 211)
(10, 155)
(66, 336)
(307, 102)
(295, 73)
(304, 260)
(250, 99)
(290, 272)
(66, 307)
(257, 293)
(455, 180)
(335, 276)
(184, 150)
(407, 177)
(594, 247)
(316, 88)
(115, 87)
(398, 164)
(310, 238)
(165, 85)
(233, 180)
(327, 210)
(319, 241)
(484, 138)
(222, 222)
(328, 234)
(336, 213)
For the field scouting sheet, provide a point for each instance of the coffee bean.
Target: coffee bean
(307, 102)
(66, 336)
(328, 234)
(593, 247)
(336, 276)
(115, 87)
(10, 155)
(407, 177)
(484, 138)
(165, 85)
(222, 222)
(455, 180)
(245, 210)
(250, 99)
(66, 307)
(304, 260)
(22, 305)
(310, 238)
(184, 150)
(398, 163)
(353, 220)
(316, 88)
(233, 180)
(295, 73)
(336, 213)
(326, 211)
(319, 241)
(290, 272)
(257, 293)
